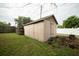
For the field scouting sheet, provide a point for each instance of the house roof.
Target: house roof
(42, 19)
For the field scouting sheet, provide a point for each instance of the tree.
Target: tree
(20, 21)
(60, 26)
(71, 22)
(6, 28)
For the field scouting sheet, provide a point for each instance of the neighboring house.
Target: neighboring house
(42, 29)
(68, 31)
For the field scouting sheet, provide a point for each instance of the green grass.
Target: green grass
(12, 44)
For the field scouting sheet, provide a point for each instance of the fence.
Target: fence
(74, 31)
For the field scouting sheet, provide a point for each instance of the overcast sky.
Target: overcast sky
(10, 11)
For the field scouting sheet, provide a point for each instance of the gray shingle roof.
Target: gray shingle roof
(41, 19)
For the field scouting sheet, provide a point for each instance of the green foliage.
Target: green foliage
(6, 28)
(60, 26)
(71, 22)
(20, 21)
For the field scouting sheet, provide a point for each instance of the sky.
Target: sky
(8, 12)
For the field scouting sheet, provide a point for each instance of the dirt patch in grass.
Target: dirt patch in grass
(65, 45)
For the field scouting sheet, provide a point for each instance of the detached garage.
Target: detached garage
(42, 29)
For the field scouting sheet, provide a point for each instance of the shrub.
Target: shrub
(72, 37)
(50, 40)
(62, 41)
(20, 31)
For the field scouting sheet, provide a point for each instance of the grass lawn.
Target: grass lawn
(13, 44)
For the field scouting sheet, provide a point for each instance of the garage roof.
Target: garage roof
(42, 19)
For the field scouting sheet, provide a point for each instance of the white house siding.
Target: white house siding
(74, 31)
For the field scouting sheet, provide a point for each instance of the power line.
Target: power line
(26, 5)
(15, 6)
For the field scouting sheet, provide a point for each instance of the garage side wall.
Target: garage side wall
(28, 30)
(53, 26)
(50, 28)
(35, 31)
(47, 29)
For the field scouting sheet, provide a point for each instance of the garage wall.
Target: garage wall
(28, 30)
(41, 31)
(47, 29)
(50, 28)
(35, 31)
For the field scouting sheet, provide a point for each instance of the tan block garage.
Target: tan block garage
(42, 29)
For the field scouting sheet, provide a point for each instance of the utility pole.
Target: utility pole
(41, 11)
(41, 8)
(54, 4)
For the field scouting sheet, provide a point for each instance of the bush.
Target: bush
(72, 37)
(13, 29)
(20, 31)
(50, 40)
(6, 28)
(61, 41)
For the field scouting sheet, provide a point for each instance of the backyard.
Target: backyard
(12, 44)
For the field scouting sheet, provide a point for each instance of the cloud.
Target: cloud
(10, 11)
